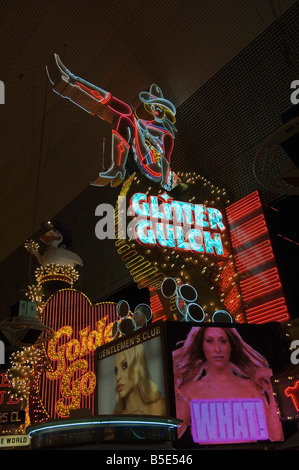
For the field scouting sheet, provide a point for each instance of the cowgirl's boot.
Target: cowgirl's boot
(169, 178)
(166, 173)
(117, 171)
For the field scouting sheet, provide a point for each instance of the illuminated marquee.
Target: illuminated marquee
(71, 367)
(177, 225)
(80, 328)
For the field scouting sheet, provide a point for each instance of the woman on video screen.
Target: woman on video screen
(135, 391)
(216, 363)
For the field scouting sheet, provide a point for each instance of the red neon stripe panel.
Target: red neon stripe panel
(268, 311)
(255, 262)
(253, 257)
(260, 284)
(249, 230)
(240, 209)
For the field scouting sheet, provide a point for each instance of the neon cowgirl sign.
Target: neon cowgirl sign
(176, 224)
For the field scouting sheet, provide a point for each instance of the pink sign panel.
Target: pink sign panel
(228, 421)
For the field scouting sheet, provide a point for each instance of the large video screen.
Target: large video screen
(222, 386)
(131, 374)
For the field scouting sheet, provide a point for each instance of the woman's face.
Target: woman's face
(216, 347)
(122, 381)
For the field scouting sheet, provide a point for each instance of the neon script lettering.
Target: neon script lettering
(71, 365)
(293, 393)
(177, 224)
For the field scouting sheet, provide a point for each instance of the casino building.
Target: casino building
(149, 262)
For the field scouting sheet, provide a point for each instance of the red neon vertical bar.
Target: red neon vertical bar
(253, 258)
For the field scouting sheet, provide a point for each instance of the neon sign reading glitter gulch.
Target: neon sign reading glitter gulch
(176, 224)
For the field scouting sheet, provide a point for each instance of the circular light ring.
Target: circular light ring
(196, 313)
(123, 309)
(139, 320)
(223, 317)
(188, 293)
(115, 329)
(145, 310)
(169, 287)
(126, 326)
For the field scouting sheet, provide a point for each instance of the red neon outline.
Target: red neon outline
(273, 310)
(294, 388)
(146, 168)
(120, 147)
(244, 206)
(249, 230)
(95, 93)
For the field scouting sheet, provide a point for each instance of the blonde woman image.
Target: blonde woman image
(136, 393)
(216, 363)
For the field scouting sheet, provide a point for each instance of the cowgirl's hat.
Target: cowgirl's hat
(155, 96)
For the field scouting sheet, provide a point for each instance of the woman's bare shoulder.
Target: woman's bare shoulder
(193, 388)
(158, 408)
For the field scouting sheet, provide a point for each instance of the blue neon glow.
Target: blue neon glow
(200, 216)
(155, 208)
(168, 239)
(181, 243)
(215, 218)
(139, 209)
(195, 238)
(198, 307)
(167, 208)
(212, 243)
(144, 235)
(190, 299)
(227, 314)
(183, 212)
(103, 422)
